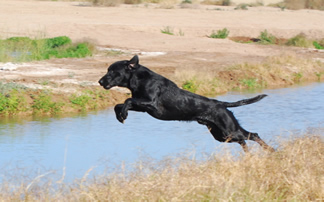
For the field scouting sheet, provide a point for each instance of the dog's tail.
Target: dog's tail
(244, 102)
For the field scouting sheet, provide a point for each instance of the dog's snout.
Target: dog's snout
(100, 81)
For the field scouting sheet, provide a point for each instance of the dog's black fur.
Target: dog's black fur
(162, 99)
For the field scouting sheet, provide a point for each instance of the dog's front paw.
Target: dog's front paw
(122, 116)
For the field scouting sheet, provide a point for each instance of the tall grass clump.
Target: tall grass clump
(293, 173)
(20, 49)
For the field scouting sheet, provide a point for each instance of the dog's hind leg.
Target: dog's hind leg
(244, 146)
(220, 136)
(255, 137)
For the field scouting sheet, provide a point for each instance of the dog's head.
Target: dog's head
(119, 73)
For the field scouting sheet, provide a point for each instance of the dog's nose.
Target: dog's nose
(100, 82)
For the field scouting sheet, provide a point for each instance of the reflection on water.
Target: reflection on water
(98, 140)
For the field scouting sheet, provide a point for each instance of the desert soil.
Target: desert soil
(136, 29)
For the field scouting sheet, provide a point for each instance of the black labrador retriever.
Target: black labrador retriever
(164, 100)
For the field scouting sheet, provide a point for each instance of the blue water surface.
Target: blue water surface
(71, 146)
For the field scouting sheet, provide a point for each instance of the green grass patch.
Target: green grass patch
(250, 83)
(317, 45)
(297, 77)
(18, 99)
(22, 49)
(190, 85)
(12, 103)
(44, 103)
(80, 100)
(220, 34)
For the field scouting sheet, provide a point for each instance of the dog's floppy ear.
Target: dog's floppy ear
(133, 63)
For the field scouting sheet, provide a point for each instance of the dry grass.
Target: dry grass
(305, 4)
(275, 71)
(294, 173)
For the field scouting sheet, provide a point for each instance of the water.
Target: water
(97, 141)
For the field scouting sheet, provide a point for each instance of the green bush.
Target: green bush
(57, 41)
(220, 34)
(266, 38)
(18, 49)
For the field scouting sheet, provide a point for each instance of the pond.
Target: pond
(71, 146)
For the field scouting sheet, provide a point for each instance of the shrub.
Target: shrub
(299, 40)
(220, 34)
(57, 41)
(266, 38)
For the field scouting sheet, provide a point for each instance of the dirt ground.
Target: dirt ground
(136, 29)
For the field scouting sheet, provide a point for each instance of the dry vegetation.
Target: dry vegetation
(289, 4)
(304, 4)
(294, 173)
(274, 72)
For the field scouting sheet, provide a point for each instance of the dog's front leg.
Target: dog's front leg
(118, 108)
(133, 104)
